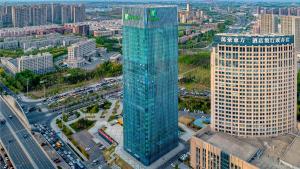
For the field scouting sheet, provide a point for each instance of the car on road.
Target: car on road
(2, 121)
(10, 116)
(102, 147)
(57, 160)
(173, 165)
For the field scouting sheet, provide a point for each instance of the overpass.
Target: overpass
(21, 146)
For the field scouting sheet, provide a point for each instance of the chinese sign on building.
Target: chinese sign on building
(254, 40)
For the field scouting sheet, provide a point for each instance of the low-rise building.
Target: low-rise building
(82, 29)
(11, 45)
(210, 149)
(30, 30)
(36, 42)
(39, 64)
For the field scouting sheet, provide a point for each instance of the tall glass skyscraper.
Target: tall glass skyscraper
(150, 73)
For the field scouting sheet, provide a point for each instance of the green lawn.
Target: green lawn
(106, 105)
(198, 78)
(193, 103)
(194, 71)
(82, 124)
(111, 118)
(92, 109)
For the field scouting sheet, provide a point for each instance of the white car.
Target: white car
(173, 165)
(102, 147)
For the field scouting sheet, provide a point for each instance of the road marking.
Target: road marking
(33, 139)
(21, 145)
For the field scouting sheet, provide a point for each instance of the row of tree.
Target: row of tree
(20, 81)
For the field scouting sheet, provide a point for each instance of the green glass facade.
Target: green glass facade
(150, 73)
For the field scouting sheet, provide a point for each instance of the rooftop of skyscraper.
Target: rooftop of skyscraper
(261, 152)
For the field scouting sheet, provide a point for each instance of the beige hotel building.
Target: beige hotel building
(253, 85)
(253, 105)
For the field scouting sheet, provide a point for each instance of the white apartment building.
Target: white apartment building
(39, 64)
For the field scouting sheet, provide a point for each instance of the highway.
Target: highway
(23, 141)
(14, 149)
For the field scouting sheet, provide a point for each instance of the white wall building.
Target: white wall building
(78, 52)
(39, 64)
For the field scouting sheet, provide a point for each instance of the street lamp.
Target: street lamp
(44, 82)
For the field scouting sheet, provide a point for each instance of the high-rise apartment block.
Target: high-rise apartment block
(284, 21)
(20, 16)
(6, 16)
(150, 73)
(41, 14)
(56, 13)
(66, 14)
(38, 15)
(291, 25)
(268, 24)
(78, 13)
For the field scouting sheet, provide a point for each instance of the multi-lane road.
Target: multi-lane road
(15, 151)
(21, 146)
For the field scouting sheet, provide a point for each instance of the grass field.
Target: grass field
(194, 71)
(200, 79)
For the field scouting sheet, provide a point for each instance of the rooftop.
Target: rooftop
(35, 56)
(292, 154)
(261, 152)
(230, 144)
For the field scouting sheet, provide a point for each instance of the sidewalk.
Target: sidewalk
(64, 138)
(26, 99)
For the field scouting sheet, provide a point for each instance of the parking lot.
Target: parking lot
(51, 152)
(63, 150)
(4, 159)
(85, 140)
